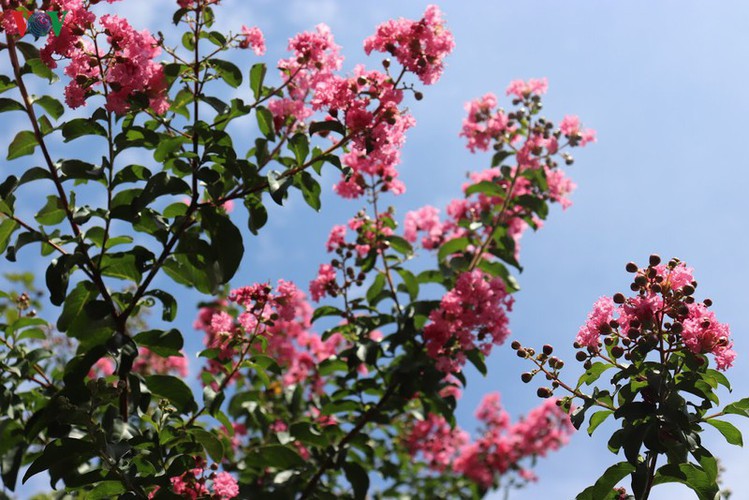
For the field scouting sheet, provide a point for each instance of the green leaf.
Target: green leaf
(299, 145)
(164, 343)
(729, 431)
(174, 390)
(410, 283)
(52, 213)
(275, 455)
(226, 241)
(80, 127)
(62, 451)
(124, 266)
(57, 276)
(258, 213)
(7, 228)
(359, 479)
(593, 373)
(210, 443)
(327, 126)
(486, 187)
(278, 188)
(400, 245)
(33, 174)
(738, 408)
(606, 482)
(310, 190)
(690, 475)
(10, 463)
(228, 71)
(168, 301)
(10, 105)
(105, 490)
(377, 286)
(265, 122)
(38, 68)
(22, 145)
(719, 378)
(257, 75)
(597, 419)
(72, 311)
(51, 105)
(453, 246)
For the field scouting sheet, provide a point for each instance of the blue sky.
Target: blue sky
(661, 82)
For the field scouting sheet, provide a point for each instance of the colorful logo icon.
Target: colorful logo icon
(39, 23)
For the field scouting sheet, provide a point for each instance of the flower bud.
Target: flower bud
(631, 267)
(619, 298)
(515, 345)
(687, 290)
(526, 377)
(707, 302)
(617, 351)
(548, 349)
(655, 259)
(522, 353)
(543, 392)
(581, 356)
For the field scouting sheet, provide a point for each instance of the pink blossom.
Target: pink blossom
(597, 323)
(502, 446)
(435, 440)
(473, 315)
(484, 124)
(336, 238)
(321, 286)
(253, 38)
(104, 367)
(425, 219)
(222, 322)
(675, 278)
(225, 485)
(534, 86)
(703, 333)
(150, 363)
(420, 46)
(570, 126)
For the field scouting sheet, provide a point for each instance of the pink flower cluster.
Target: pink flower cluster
(703, 333)
(253, 39)
(192, 4)
(315, 58)
(128, 69)
(437, 442)
(150, 363)
(501, 447)
(420, 46)
(283, 318)
(664, 295)
(367, 103)
(193, 484)
(524, 89)
(570, 127)
(147, 363)
(370, 235)
(473, 315)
